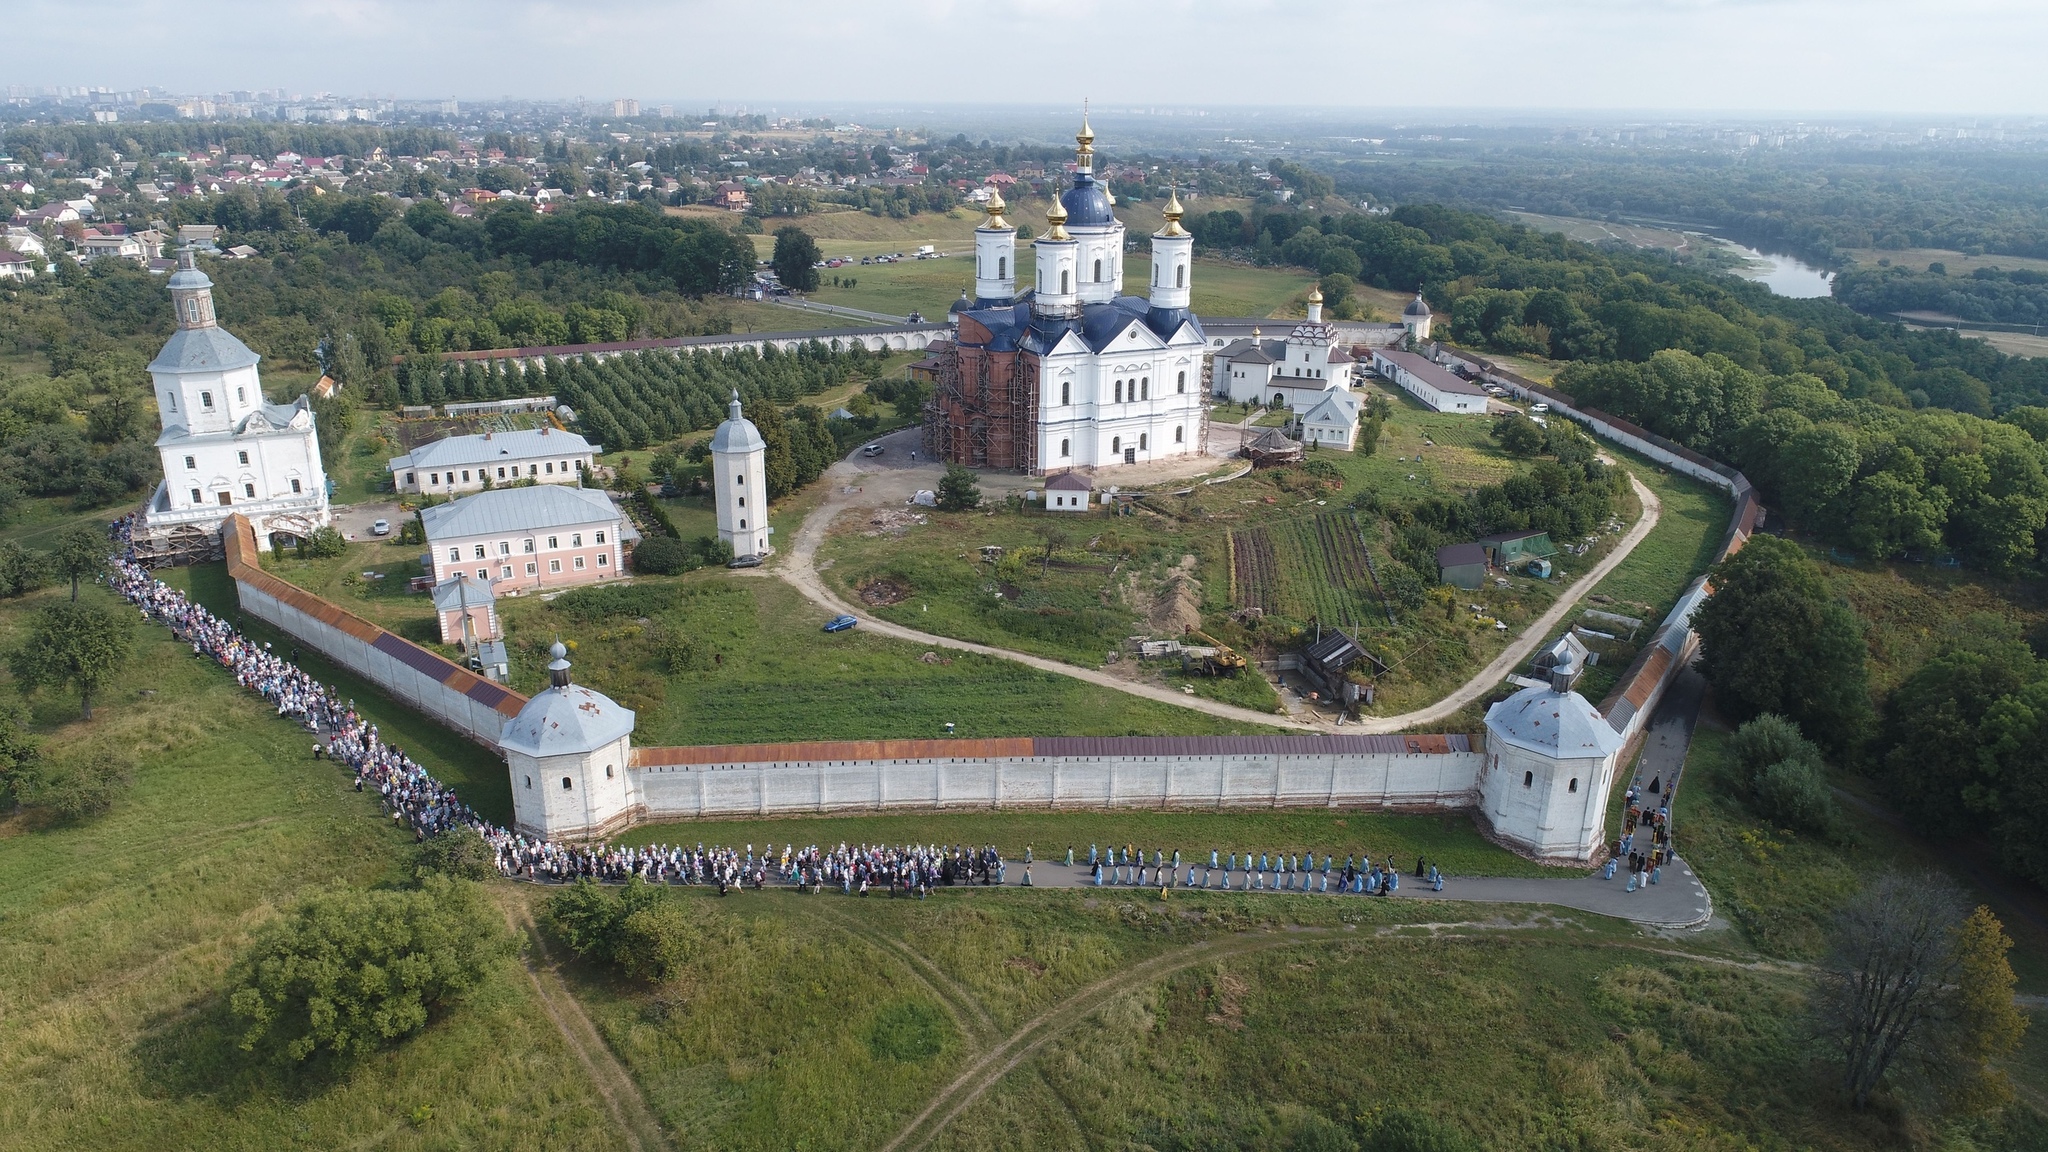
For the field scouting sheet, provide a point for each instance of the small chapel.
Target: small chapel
(1072, 373)
(225, 448)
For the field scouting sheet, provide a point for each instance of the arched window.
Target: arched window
(1116, 444)
(607, 771)
(1119, 391)
(1002, 267)
(1065, 450)
(1066, 391)
(1176, 434)
(567, 784)
(1180, 275)
(1145, 388)
(1528, 779)
(1142, 438)
(172, 400)
(1575, 784)
(206, 401)
(743, 523)
(1065, 285)
(1155, 275)
(529, 781)
(1098, 271)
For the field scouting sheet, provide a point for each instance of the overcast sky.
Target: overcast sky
(1893, 56)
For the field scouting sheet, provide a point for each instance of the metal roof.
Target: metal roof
(1459, 555)
(1164, 747)
(565, 721)
(482, 448)
(516, 510)
(209, 349)
(1429, 372)
(1556, 724)
(462, 591)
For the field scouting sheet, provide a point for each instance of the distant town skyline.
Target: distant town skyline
(1968, 57)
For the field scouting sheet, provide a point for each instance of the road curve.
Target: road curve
(799, 567)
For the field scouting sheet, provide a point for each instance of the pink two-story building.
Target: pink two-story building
(547, 536)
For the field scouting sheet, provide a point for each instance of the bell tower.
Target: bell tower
(995, 256)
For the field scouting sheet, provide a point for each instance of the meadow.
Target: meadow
(931, 286)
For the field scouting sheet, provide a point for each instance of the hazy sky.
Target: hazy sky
(1905, 56)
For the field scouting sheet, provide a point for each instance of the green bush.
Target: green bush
(958, 491)
(1769, 739)
(348, 971)
(664, 556)
(591, 919)
(76, 790)
(325, 543)
(1794, 794)
(459, 852)
(657, 941)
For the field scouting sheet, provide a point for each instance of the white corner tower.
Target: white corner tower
(1090, 219)
(1173, 261)
(1415, 317)
(739, 480)
(1550, 761)
(1054, 296)
(995, 256)
(226, 449)
(570, 751)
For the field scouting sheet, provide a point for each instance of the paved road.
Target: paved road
(799, 567)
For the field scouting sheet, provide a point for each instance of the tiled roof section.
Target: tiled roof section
(1052, 746)
(238, 538)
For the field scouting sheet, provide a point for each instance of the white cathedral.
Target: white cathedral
(1073, 374)
(225, 448)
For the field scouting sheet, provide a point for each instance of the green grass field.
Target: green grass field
(931, 286)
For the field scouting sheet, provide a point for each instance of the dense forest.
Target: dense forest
(1814, 206)
(1985, 296)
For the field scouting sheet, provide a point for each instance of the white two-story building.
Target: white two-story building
(512, 539)
(463, 463)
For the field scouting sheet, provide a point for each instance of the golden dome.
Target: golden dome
(1173, 214)
(1085, 137)
(995, 208)
(1057, 217)
(1315, 294)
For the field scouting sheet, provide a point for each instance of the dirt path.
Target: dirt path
(799, 566)
(630, 1115)
(1034, 1034)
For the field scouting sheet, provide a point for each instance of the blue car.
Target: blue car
(840, 623)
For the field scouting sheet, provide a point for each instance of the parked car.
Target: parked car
(840, 623)
(914, 318)
(744, 562)
(873, 450)
(381, 528)
(1539, 406)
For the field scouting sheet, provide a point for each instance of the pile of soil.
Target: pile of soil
(880, 592)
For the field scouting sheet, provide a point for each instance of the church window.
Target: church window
(1142, 438)
(743, 501)
(1180, 275)
(171, 400)
(249, 490)
(191, 464)
(743, 523)
(295, 488)
(1119, 391)
(1180, 383)
(1116, 444)
(567, 784)
(1176, 434)
(1066, 448)
(1002, 267)
(241, 395)
(1575, 784)
(554, 565)
(192, 310)
(1066, 392)
(1098, 271)
(206, 401)
(241, 457)
(551, 467)
(196, 498)
(479, 551)
(1066, 284)
(1145, 388)
(740, 479)
(1528, 779)
(529, 781)
(607, 771)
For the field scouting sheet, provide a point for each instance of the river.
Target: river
(1784, 275)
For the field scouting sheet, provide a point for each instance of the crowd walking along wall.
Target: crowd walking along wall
(434, 685)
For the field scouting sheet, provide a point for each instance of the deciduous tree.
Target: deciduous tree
(1773, 639)
(72, 645)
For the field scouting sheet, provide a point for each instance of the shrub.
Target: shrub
(76, 790)
(591, 919)
(1769, 739)
(657, 941)
(958, 491)
(664, 556)
(348, 971)
(1794, 794)
(325, 543)
(459, 852)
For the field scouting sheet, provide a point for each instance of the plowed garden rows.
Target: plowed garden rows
(1257, 577)
(1315, 568)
